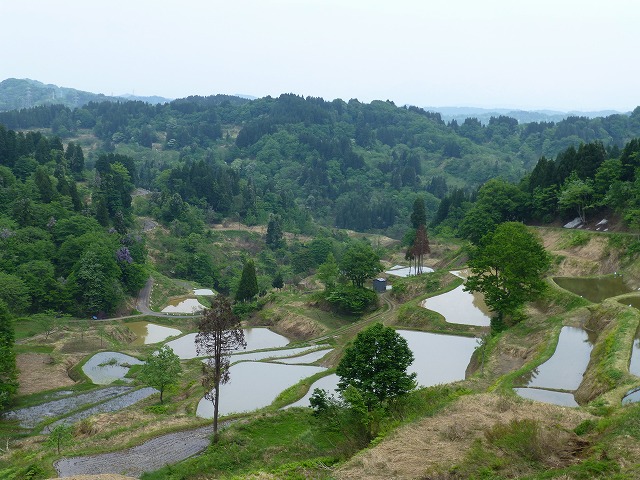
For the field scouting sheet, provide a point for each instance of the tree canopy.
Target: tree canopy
(508, 268)
(359, 263)
(161, 370)
(376, 365)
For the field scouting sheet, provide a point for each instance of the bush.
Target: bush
(353, 300)
(521, 438)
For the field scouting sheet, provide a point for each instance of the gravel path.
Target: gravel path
(151, 455)
(29, 417)
(113, 405)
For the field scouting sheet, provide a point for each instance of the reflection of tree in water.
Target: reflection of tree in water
(526, 378)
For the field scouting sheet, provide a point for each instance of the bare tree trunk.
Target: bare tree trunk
(215, 413)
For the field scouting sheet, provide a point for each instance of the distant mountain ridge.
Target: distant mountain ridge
(459, 114)
(17, 93)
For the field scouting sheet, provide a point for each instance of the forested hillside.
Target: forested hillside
(345, 164)
(65, 246)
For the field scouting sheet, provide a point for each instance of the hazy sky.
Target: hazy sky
(558, 54)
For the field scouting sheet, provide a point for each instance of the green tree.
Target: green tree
(14, 292)
(508, 268)
(328, 272)
(419, 213)
(576, 194)
(248, 286)
(219, 335)
(161, 370)
(359, 263)
(44, 184)
(8, 370)
(274, 238)
(376, 365)
(353, 300)
(59, 436)
(94, 281)
(278, 281)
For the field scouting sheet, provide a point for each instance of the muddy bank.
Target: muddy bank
(616, 327)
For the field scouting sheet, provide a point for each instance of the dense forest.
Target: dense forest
(301, 165)
(343, 164)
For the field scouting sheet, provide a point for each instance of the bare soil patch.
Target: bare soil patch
(592, 258)
(436, 444)
(39, 372)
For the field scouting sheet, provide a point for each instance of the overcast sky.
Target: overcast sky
(556, 54)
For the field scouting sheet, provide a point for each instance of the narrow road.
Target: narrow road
(142, 305)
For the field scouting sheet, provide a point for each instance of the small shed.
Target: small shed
(380, 285)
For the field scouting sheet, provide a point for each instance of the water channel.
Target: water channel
(556, 379)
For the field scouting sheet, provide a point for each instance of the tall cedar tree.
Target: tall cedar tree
(419, 214)
(248, 287)
(219, 334)
(420, 248)
(8, 370)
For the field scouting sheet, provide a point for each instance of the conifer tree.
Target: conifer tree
(248, 287)
(419, 214)
(219, 334)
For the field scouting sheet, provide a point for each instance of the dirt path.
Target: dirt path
(149, 456)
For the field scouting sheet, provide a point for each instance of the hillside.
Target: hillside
(17, 94)
(345, 164)
(112, 212)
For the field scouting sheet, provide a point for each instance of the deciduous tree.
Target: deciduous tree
(360, 263)
(376, 365)
(508, 268)
(161, 370)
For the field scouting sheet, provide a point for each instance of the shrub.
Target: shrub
(353, 300)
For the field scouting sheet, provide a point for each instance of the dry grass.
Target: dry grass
(39, 373)
(436, 444)
(592, 258)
